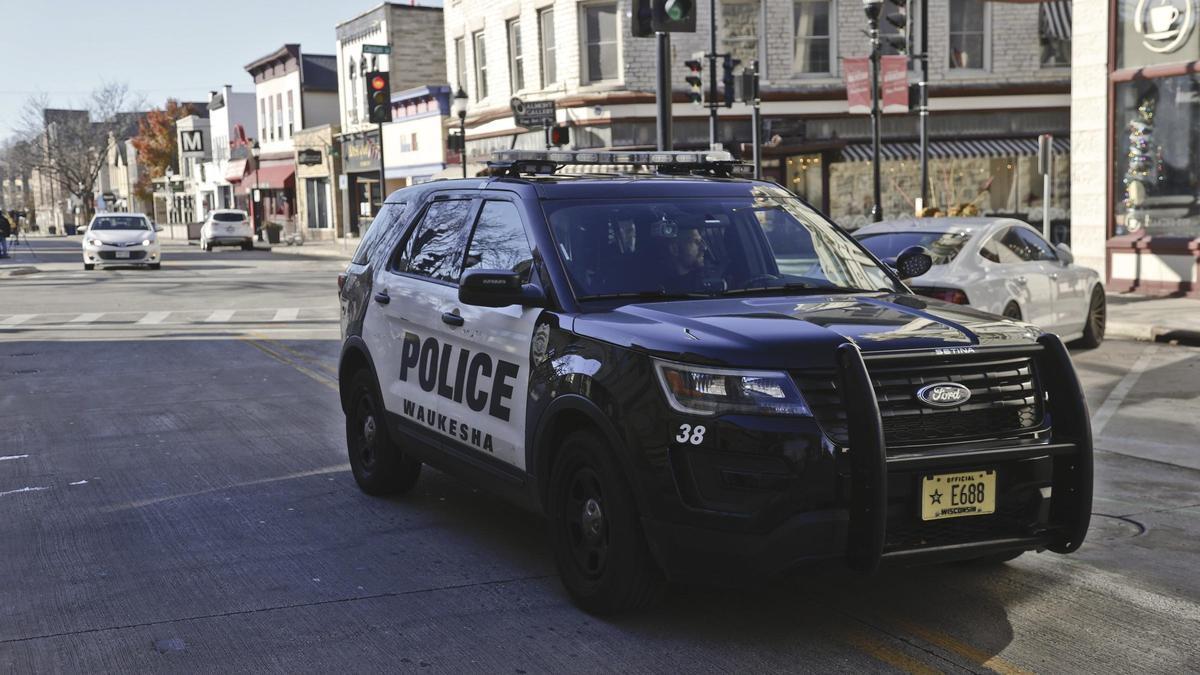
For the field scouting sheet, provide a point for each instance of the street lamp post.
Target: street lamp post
(872, 9)
(459, 108)
(255, 151)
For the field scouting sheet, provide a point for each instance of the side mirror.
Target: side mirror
(913, 262)
(1064, 253)
(498, 288)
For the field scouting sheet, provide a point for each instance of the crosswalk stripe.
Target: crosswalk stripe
(87, 318)
(154, 317)
(17, 319)
(220, 316)
(290, 314)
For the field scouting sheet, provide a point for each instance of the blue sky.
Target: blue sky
(65, 48)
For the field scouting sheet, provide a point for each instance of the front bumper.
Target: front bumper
(859, 505)
(116, 255)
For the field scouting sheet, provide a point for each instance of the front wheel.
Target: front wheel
(595, 531)
(1097, 316)
(379, 466)
(155, 266)
(89, 266)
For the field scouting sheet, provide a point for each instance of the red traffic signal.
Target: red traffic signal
(378, 83)
(695, 82)
(560, 135)
(379, 94)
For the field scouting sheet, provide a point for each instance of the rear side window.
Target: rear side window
(388, 219)
(499, 241)
(435, 247)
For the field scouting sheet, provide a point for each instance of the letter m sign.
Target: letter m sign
(191, 143)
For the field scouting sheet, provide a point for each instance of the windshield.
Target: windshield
(684, 247)
(942, 246)
(119, 223)
(229, 217)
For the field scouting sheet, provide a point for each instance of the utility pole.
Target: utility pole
(756, 122)
(712, 74)
(663, 90)
(923, 110)
(382, 173)
(872, 9)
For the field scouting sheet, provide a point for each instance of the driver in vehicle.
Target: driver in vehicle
(683, 259)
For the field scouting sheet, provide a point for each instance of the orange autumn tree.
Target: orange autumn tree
(156, 144)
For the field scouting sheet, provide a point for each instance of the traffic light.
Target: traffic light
(695, 82)
(560, 135)
(674, 16)
(379, 97)
(894, 30)
(642, 18)
(728, 63)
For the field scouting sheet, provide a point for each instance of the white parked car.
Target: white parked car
(227, 227)
(121, 239)
(999, 265)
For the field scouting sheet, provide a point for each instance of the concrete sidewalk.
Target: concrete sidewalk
(313, 249)
(1153, 318)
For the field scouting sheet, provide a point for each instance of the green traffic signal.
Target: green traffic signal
(677, 10)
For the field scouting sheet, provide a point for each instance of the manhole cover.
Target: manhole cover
(1109, 528)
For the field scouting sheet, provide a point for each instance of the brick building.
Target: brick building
(999, 75)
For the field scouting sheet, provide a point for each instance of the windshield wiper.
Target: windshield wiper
(801, 286)
(646, 295)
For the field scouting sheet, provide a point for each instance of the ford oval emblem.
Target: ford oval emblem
(944, 395)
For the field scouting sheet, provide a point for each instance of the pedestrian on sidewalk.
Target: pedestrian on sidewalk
(6, 230)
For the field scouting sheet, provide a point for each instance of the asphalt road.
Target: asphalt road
(174, 496)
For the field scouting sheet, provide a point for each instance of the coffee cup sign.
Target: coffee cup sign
(1163, 25)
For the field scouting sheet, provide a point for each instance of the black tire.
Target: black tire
(248, 245)
(1097, 317)
(595, 531)
(156, 266)
(1012, 311)
(380, 467)
(89, 266)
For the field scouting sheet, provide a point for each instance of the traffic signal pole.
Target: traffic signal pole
(712, 74)
(923, 111)
(663, 90)
(382, 173)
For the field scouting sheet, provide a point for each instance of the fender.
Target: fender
(537, 454)
(355, 346)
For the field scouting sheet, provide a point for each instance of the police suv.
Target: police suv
(697, 377)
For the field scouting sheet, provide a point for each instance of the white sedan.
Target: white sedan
(121, 239)
(999, 265)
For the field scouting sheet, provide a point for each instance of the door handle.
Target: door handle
(452, 319)
(382, 297)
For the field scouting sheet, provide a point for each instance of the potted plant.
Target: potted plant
(272, 228)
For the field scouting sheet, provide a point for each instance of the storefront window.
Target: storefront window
(1157, 156)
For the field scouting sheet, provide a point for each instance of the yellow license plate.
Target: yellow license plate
(953, 495)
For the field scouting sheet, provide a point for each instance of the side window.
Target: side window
(499, 241)
(388, 219)
(1006, 248)
(435, 247)
(1037, 247)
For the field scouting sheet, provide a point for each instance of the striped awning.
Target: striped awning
(1056, 19)
(992, 147)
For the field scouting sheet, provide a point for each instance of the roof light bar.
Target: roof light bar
(698, 159)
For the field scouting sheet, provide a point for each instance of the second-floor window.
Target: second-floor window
(739, 24)
(516, 61)
(279, 116)
(262, 118)
(967, 34)
(549, 47)
(460, 62)
(291, 117)
(600, 41)
(480, 49)
(813, 53)
(1055, 33)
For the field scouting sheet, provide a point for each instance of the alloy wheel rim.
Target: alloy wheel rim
(1098, 314)
(586, 525)
(368, 433)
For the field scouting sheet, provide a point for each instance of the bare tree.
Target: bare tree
(70, 146)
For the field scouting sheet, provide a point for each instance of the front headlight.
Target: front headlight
(699, 390)
(95, 242)
(145, 242)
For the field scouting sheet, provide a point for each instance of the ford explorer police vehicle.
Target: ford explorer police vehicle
(697, 377)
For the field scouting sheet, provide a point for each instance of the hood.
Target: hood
(797, 332)
(121, 236)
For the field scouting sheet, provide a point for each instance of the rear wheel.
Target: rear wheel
(155, 266)
(379, 466)
(248, 245)
(1097, 316)
(595, 531)
(1012, 311)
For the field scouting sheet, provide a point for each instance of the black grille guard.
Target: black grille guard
(1071, 449)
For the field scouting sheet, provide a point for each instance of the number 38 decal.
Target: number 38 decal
(690, 434)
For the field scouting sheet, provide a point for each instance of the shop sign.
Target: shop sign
(308, 156)
(360, 153)
(533, 114)
(191, 143)
(1164, 27)
(1152, 32)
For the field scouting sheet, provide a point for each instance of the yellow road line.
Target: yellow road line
(323, 378)
(969, 652)
(888, 654)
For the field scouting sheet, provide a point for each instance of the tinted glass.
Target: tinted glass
(499, 242)
(1025, 246)
(229, 217)
(942, 246)
(687, 246)
(389, 220)
(435, 248)
(120, 223)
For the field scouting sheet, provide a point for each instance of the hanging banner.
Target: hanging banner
(857, 71)
(894, 71)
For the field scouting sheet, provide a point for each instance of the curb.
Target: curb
(1151, 332)
(19, 271)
